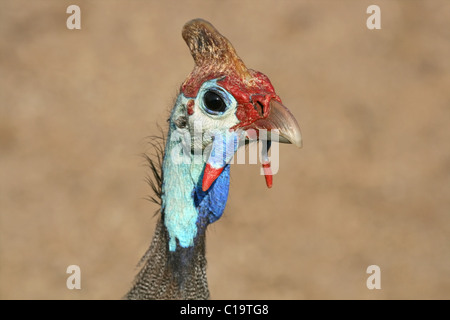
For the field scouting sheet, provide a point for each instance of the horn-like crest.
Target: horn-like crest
(212, 52)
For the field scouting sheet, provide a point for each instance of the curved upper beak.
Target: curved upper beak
(281, 119)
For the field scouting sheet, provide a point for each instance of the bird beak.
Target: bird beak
(281, 119)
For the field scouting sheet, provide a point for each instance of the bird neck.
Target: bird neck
(179, 272)
(187, 209)
(162, 276)
(175, 263)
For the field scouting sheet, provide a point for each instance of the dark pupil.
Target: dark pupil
(214, 102)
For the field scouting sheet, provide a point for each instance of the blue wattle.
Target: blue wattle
(211, 204)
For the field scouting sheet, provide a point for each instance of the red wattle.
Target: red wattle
(209, 176)
(268, 174)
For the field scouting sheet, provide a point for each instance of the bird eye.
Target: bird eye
(214, 102)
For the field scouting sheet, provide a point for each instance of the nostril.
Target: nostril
(259, 107)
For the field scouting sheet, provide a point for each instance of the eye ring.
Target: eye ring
(213, 102)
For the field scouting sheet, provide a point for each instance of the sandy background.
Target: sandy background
(370, 186)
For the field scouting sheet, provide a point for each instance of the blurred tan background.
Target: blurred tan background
(370, 186)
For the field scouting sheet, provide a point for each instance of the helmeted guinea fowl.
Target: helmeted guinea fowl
(218, 105)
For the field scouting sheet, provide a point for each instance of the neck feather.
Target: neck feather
(163, 276)
(175, 264)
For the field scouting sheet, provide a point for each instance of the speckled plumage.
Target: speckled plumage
(158, 277)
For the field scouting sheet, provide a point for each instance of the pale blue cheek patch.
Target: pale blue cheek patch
(224, 146)
(180, 214)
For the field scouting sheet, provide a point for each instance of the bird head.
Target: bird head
(227, 102)
(220, 104)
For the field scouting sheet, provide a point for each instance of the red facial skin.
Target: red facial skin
(249, 94)
(190, 107)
